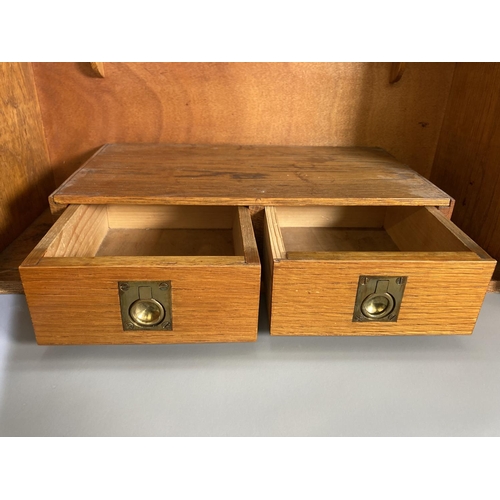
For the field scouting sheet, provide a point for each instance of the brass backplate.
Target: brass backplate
(157, 292)
(379, 298)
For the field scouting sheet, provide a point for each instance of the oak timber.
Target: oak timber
(80, 305)
(26, 177)
(317, 297)
(12, 257)
(82, 235)
(380, 255)
(468, 155)
(135, 230)
(245, 175)
(313, 292)
(71, 277)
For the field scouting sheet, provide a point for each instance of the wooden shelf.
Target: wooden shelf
(18, 250)
(245, 175)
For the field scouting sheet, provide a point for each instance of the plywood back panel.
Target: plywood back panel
(25, 175)
(334, 104)
(467, 163)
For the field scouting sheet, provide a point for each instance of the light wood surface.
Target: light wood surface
(316, 216)
(424, 230)
(244, 235)
(313, 292)
(129, 261)
(381, 255)
(317, 298)
(468, 156)
(128, 230)
(407, 229)
(320, 104)
(245, 175)
(172, 217)
(98, 68)
(82, 235)
(80, 305)
(332, 239)
(26, 177)
(167, 242)
(72, 293)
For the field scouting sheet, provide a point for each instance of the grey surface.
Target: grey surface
(278, 386)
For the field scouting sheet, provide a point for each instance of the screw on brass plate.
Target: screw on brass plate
(167, 325)
(130, 326)
(399, 281)
(163, 286)
(124, 287)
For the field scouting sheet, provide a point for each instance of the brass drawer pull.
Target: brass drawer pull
(379, 298)
(146, 305)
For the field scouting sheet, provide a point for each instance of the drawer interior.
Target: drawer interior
(320, 230)
(135, 230)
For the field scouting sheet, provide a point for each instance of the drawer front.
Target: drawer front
(208, 258)
(318, 259)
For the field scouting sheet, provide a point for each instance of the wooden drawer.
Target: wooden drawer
(207, 256)
(315, 258)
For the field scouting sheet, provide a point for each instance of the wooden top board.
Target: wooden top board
(245, 175)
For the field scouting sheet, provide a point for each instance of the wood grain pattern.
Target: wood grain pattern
(73, 296)
(321, 104)
(268, 256)
(64, 312)
(381, 255)
(313, 293)
(82, 235)
(245, 175)
(129, 261)
(135, 230)
(468, 156)
(243, 226)
(317, 298)
(70, 217)
(26, 178)
(12, 257)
